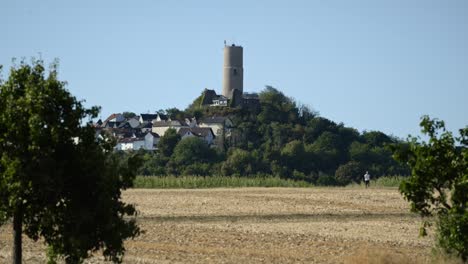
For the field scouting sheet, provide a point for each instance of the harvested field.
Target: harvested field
(265, 225)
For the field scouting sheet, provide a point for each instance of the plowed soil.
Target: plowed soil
(264, 225)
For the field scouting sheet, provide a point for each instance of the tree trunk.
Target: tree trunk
(17, 232)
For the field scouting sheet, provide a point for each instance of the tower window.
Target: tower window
(235, 72)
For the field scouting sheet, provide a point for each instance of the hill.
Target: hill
(280, 138)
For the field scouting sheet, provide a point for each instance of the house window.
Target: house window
(235, 72)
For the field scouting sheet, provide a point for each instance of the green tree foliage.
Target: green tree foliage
(191, 150)
(153, 164)
(197, 103)
(277, 107)
(293, 155)
(241, 162)
(128, 114)
(376, 138)
(168, 142)
(57, 181)
(192, 155)
(328, 150)
(175, 114)
(316, 126)
(349, 172)
(439, 182)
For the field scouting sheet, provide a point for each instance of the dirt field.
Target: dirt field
(265, 225)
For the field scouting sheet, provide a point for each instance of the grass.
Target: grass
(193, 182)
(386, 256)
(386, 181)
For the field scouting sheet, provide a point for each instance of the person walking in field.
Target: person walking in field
(367, 179)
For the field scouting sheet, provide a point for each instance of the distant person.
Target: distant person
(367, 179)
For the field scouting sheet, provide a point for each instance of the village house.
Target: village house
(160, 127)
(145, 127)
(144, 131)
(144, 118)
(191, 122)
(218, 124)
(136, 142)
(130, 144)
(219, 100)
(134, 122)
(204, 133)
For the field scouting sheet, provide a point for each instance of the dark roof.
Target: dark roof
(156, 135)
(124, 125)
(220, 97)
(148, 117)
(208, 96)
(197, 131)
(183, 130)
(213, 120)
(139, 134)
(129, 140)
(163, 117)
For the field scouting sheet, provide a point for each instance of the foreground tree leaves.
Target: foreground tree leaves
(58, 180)
(438, 185)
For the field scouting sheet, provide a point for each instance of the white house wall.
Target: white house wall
(140, 144)
(160, 130)
(150, 141)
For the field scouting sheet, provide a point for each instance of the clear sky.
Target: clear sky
(371, 64)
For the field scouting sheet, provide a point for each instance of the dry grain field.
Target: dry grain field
(265, 225)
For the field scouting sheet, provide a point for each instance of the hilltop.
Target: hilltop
(280, 137)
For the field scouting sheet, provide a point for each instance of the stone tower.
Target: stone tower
(233, 72)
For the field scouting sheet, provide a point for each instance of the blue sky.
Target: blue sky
(371, 64)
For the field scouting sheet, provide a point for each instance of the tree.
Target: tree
(57, 180)
(175, 114)
(438, 185)
(192, 150)
(349, 172)
(294, 156)
(328, 150)
(376, 138)
(276, 107)
(168, 142)
(128, 115)
(239, 162)
(316, 126)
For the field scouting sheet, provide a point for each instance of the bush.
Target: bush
(438, 184)
(452, 233)
(349, 172)
(199, 169)
(327, 180)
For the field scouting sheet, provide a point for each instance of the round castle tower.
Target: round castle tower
(233, 73)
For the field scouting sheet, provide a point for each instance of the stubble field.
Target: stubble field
(265, 225)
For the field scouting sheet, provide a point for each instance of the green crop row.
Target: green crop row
(194, 182)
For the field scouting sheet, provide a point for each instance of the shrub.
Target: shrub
(438, 184)
(327, 180)
(349, 172)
